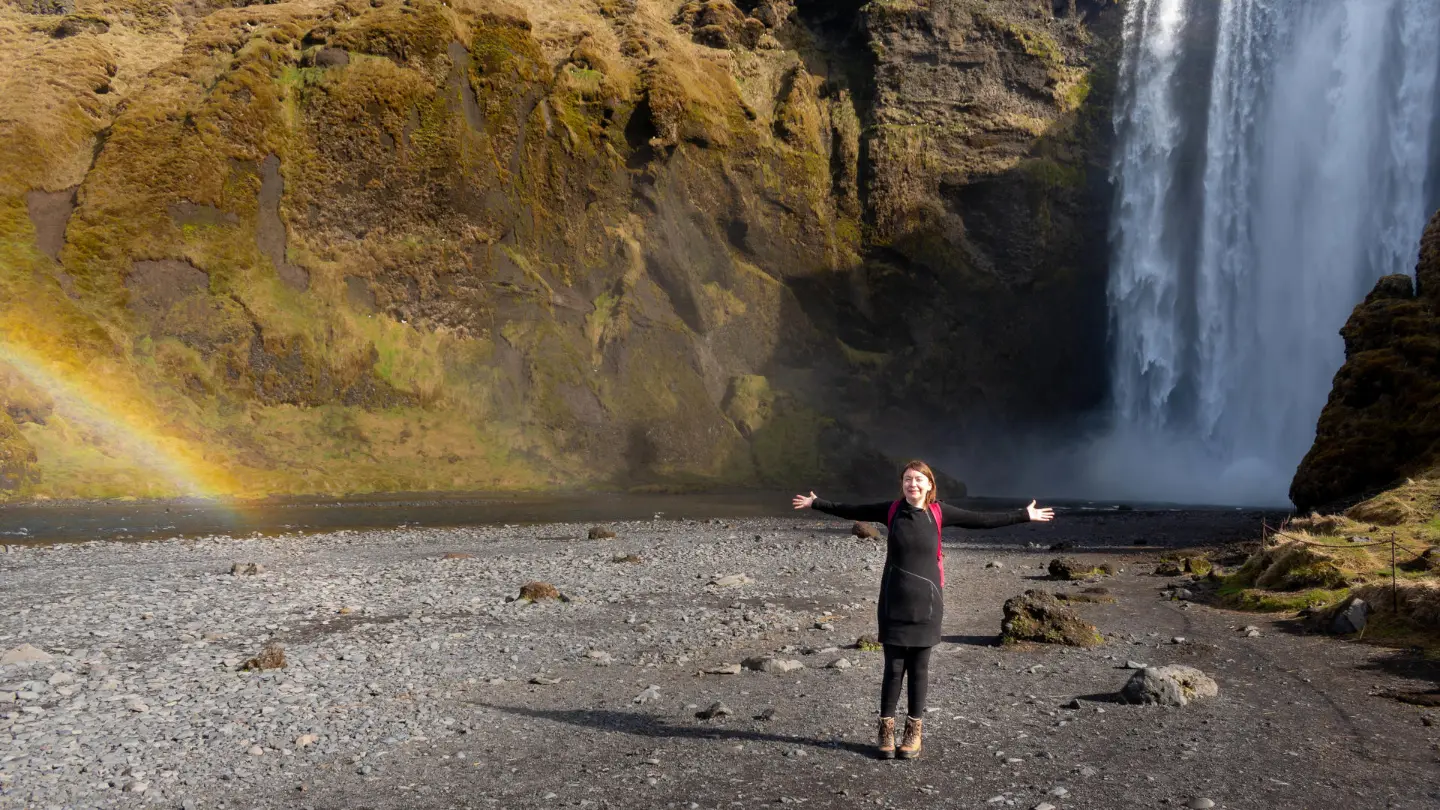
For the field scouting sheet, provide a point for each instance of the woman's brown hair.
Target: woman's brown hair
(924, 469)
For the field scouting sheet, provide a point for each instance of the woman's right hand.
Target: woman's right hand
(804, 501)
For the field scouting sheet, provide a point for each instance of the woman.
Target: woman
(912, 602)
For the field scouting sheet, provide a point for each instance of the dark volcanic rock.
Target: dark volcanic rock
(1382, 422)
(1039, 616)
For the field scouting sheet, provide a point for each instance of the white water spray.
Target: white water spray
(1239, 254)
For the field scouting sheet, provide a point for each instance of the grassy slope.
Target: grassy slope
(1314, 566)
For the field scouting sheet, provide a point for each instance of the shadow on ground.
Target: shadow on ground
(646, 726)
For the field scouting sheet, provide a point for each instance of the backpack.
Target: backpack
(939, 533)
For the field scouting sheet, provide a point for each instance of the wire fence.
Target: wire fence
(1267, 531)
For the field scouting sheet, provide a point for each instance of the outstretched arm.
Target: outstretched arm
(966, 519)
(876, 512)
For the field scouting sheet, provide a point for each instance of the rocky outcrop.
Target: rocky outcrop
(1038, 616)
(1382, 422)
(408, 244)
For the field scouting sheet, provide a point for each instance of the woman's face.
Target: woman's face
(915, 485)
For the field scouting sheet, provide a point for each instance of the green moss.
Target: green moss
(1051, 174)
(412, 29)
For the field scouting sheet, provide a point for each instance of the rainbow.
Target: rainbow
(124, 422)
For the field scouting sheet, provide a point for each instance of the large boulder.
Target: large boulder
(1382, 422)
(1174, 685)
(1039, 616)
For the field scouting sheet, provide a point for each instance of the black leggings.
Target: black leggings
(900, 661)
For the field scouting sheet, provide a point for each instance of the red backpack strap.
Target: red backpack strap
(939, 539)
(890, 518)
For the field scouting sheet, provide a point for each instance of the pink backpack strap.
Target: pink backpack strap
(939, 533)
(939, 539)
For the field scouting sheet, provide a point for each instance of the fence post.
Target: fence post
(1394, 590)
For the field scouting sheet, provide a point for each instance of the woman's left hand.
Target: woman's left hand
(1040, 515)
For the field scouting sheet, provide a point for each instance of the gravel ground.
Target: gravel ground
(417, 682)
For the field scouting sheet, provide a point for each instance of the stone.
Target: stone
(866, 531)
(600, 533)
(1169, 568)
(839, 663)
(306, 740)
(1183, 594)
(1351, 618)
(600, 657)
(713, 711)
(536, 591)
(25, 654)
(869, 643)
(541, 680)
(246, 569)
(271, 657)
(1069, 568)
(731, 581)
(255, 751)
(1039, 617)
(1172, 685)
(626, 558)
(652, 692)
(994, 564)
(456, 555)
(772, 665)
(1200, 804)
(724, 669)
(1043, 806)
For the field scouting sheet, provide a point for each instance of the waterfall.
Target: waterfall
(1273, 160)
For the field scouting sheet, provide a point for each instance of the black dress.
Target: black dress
(912, 604)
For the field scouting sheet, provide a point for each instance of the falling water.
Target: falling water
(1274, 159)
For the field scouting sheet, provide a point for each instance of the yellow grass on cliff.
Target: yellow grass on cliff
(1314, 564)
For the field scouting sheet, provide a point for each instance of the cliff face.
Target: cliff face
(1382, 422)
(338, 246)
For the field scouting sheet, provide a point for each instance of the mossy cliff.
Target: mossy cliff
(1382, 422)
(342, 246)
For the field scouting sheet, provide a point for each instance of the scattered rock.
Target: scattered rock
(240, 569)
(768, 714)
(839, 663)
(1063, 545)
(1173, 685)
(1200, 804)
(713, 711)
(994, 564)
(600, 657)
(600, 533)
(541, 680)
(869, 643)
(1074, 704)
(1169, 568)
(1182, 594)
(1043, 806)
(731, 580)
(306, 740)
(535, 591)
(1134, 665)
(1069, 568)
(456, 555)
(25, 654)
(652, 692)
(866, 531)
(1039, 616)
(772, 665)
(272, 657)
(1351, 617)
(626, 558)
(724, 669)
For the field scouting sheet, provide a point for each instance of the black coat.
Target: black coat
(912, 603)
